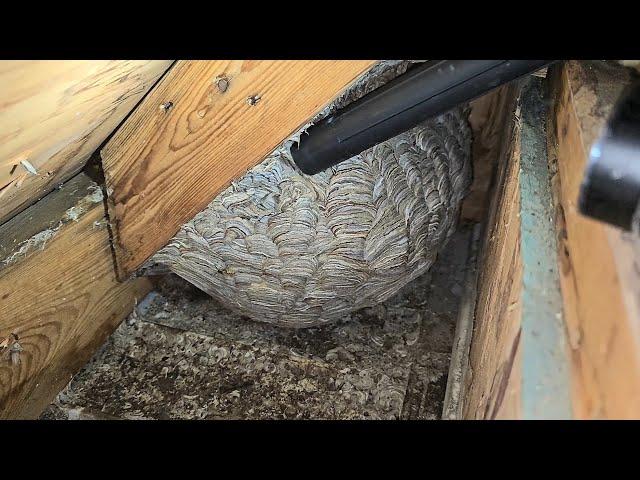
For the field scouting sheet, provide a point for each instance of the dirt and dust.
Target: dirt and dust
(180, 355)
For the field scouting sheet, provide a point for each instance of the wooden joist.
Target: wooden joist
(493, 377)
(517, 362)
(489, 117)
(599, 264)
(59, 298)
(55, 114)
(204, 125)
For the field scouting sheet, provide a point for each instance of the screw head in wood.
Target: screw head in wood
(253, 99)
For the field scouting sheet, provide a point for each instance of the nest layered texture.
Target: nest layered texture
(296, 250)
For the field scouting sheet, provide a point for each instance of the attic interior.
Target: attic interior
(322, 239)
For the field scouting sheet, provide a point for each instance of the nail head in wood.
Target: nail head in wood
(166, 106)
(253, 99)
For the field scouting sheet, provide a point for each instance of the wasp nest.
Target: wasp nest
(283, 247)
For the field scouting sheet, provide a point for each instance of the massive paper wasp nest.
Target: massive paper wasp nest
(296, 250)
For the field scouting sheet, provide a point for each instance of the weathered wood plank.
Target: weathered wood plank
(599, 264)
(54, 114)
(518, 356)
(545, 365)
(59, 298)
(493, 388)
(165, 165)
(489, 120)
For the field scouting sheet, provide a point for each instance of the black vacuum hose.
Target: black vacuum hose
(423, 92)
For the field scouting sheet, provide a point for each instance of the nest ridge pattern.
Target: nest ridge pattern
(299, 251)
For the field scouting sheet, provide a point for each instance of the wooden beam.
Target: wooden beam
(518, 360)
(55, 114)
(196, 132)
(599, 264)
(493, 388)
(489, 119)
(59, 298)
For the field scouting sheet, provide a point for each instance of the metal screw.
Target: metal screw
(222, 83)
(166, 106)
(253, 99)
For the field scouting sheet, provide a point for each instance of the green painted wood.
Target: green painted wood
(545, 367)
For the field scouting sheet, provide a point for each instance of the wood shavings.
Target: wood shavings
(29, 167)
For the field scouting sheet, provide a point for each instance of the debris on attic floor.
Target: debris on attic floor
(181, 355)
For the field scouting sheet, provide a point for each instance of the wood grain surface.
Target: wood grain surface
(493, 389)
(55, 114)
(489, 118)
(519, 356)
(59, 298)
(599, 264)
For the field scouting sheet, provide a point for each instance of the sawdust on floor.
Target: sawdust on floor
(181, 355)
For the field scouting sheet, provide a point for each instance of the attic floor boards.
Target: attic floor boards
(181, 355)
